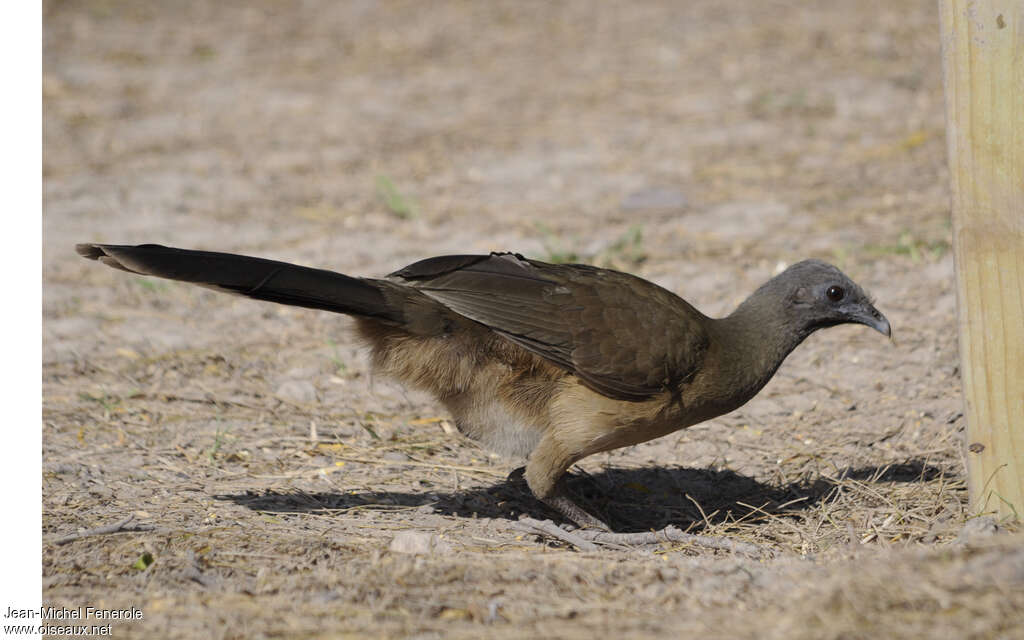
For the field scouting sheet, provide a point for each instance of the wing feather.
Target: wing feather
(623, 336)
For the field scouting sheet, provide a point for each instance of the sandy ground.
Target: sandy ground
(701, 145)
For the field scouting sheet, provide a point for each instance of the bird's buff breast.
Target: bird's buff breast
(586, 422)
(582, 421)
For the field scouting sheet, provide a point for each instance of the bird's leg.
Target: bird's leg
(516, 474)
(545, 475)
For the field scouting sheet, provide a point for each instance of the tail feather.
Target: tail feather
(256, 278)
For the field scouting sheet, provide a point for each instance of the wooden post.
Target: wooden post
(983, 68)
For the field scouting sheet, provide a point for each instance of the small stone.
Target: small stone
(976, 528)
(297, 391)
(419, 543)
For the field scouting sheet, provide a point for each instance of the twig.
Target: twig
(407, 463)
(552, 530)
(673, 534)
(209, 399)
(589, 540)
(117, 527)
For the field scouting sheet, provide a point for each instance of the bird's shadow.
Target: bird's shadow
(627, 499)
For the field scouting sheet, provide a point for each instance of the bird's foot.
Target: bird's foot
(563, 504)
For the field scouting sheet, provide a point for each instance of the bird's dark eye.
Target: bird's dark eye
(835, 294)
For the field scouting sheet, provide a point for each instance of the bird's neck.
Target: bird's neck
(756, 338)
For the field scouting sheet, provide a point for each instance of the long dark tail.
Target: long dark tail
(255, 278)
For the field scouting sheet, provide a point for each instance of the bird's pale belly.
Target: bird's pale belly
(495, 424)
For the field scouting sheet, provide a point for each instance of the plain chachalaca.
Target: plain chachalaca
(550, 362)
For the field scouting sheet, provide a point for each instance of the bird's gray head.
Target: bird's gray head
(816, 295)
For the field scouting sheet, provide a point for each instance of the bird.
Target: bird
(546, 362)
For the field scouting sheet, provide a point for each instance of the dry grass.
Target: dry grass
(696, 144)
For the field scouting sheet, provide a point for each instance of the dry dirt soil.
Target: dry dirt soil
(700, 144)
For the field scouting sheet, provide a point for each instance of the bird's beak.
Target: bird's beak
(872, 317)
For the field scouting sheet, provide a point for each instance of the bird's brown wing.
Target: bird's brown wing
(623, 336)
